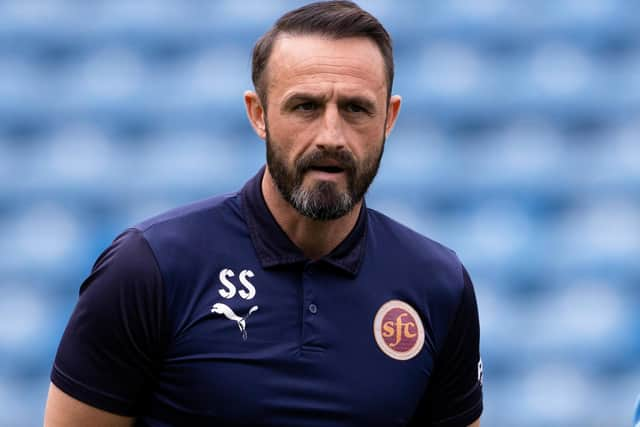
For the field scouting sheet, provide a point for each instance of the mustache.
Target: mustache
(341, 158)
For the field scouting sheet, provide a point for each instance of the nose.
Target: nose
(331, 134)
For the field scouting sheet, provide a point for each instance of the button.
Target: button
(313, 308)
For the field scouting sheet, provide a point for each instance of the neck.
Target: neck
(314, 238)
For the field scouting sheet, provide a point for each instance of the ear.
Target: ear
(392, 113)
(255, 113)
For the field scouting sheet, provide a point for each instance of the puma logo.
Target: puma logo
(224, 309)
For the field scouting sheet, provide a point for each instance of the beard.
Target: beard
(322, 200)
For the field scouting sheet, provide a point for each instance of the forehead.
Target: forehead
(317, 62)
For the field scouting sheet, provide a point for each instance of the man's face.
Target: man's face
(325, 121)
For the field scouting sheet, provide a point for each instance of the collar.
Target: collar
(274, 247)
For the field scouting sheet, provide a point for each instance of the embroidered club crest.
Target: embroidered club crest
(398, 330)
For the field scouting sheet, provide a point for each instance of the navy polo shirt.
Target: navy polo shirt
(210, 315)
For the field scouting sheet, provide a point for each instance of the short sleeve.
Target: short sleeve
(454, 394)
(110, 350)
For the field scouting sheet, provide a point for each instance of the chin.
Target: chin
(312, 182)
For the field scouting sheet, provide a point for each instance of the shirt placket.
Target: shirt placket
(311, 312)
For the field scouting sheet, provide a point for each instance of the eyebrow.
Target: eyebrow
(296, 97)
(362, 101)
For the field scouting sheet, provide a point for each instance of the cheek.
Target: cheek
(289, 138)
(367, 143)
(277, 129)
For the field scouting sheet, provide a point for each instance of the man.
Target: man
(288, 303)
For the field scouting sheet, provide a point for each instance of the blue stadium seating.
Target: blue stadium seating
(518, 145)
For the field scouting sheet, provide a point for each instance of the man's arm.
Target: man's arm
(63, 410)
(109, 352)
(454, 393)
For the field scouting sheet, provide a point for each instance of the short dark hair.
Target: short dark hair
(334, 19)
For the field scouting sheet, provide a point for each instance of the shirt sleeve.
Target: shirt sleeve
(110, 350)
(454, 394)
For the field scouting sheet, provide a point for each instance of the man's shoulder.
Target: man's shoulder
(187, 237)
(207, 212)
(399, 237)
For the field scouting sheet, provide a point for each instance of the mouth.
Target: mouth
(327, 169)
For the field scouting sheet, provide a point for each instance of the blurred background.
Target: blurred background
(518, 145)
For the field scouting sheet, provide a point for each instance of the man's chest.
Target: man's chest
(289, 346)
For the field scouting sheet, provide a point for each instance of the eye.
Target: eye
(305, 106)
(355, 108)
